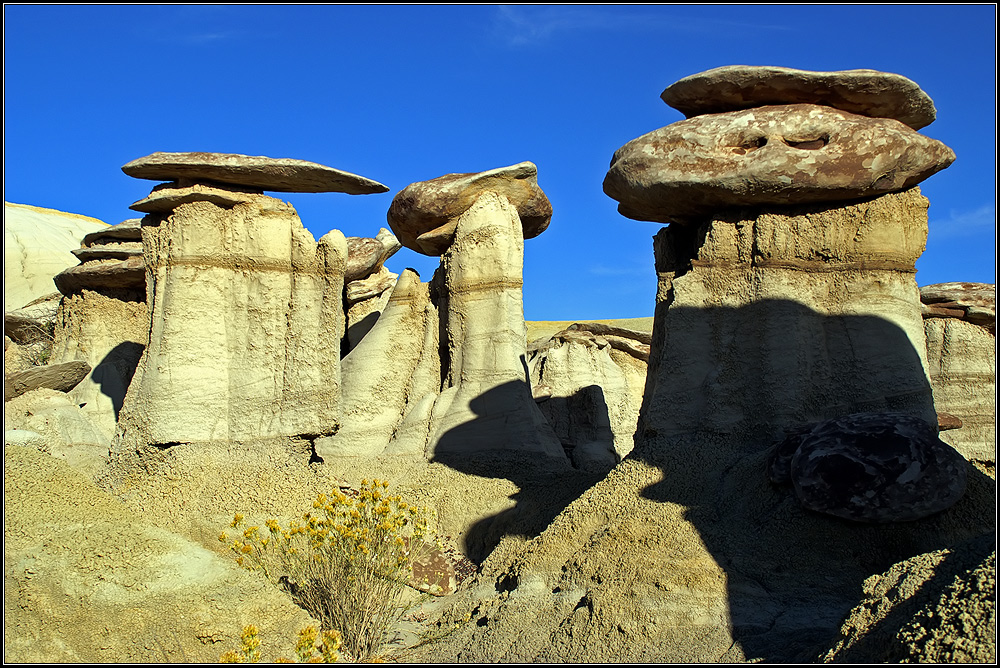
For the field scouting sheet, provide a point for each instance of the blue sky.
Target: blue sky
(407, 93)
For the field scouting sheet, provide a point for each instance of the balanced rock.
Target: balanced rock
(424, 215)
(865, 92)
(274, 174)
(875, 467)
(365, 255)
(788, 154)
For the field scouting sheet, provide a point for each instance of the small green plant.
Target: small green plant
(307, 649)
(346, 564)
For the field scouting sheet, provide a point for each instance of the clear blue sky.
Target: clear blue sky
(408, 93)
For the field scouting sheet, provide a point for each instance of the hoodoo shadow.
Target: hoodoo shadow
(735, 377)
(546, 485)
(114, 373)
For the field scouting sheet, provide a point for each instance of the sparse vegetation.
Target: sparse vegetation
(346, 564)
(307, 649)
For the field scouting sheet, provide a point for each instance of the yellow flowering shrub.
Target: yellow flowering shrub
(346, 563)
(307, 649)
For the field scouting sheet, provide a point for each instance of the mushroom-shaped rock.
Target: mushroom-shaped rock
(865, 92)
(871, 467)
(424, 215)
(787, 154)
(274, 174)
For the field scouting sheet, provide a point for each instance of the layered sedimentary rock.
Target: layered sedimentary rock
(768, 315)
(38, 244)
(961, 359)
(457, 385)
(588, 382)
(246, 319)
(865, 92)
(960, 327)
(103, 320)
(972, 302)
(246, 309)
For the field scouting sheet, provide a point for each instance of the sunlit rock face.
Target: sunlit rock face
(246, 316)
(866, 92)
(246, 308)
(457, 387)
(783, 154)
(424, 215)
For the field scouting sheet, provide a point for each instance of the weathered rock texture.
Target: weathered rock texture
(961, 358)
(62, 377)
(424, 215)
(766, 318)
(865, 92)
(365, 255)
(62, 427)
(368, 283)
(275, 174)
(971, 302)
(870, 467)
(588, 383)
(938, 607)
(767, 155)
(37, 245)
(246, 319)
(103, 320)
(457, 385)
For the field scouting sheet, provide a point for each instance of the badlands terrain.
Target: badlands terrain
(792, 459)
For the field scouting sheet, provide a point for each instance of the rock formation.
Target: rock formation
(37, 245)
(790, 307)
(779, 154)
(246, 308)
(870, 467)
(960, 327)
(102, 319)
(588, 381)
(367, 284)
(457, 385)
(865, 92)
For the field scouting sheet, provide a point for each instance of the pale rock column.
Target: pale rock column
(243, 306)
(486, 403)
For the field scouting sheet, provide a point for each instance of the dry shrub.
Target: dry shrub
(346, 565)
